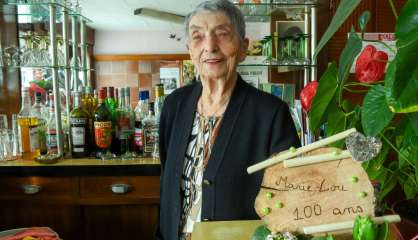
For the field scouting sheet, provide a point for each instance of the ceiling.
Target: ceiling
(118, 15)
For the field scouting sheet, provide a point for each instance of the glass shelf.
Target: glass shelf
(46, 67)
(37, 12)
(261, 12)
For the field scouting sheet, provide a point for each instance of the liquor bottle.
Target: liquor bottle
(103, 126)
(111, 105)
(51, 132)
(122, 123)
(87, 102)
(28, 128)
(38, 110)
(131, 128)
(141, 111)
(159, 101)
(95, 100)
(79, 129)
(117, 96)
(110, 100)
(149, 126)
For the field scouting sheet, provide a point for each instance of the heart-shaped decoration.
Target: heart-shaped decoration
(363, 148)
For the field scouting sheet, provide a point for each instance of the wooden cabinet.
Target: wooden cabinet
(82, 207)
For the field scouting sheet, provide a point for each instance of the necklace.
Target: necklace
(217, 112)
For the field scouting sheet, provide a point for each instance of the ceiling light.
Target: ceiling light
(160, 15)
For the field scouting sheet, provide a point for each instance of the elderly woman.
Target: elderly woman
(211, 131)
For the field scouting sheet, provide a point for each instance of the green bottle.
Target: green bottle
(102, 125)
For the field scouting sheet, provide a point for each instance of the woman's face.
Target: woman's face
(214, 45)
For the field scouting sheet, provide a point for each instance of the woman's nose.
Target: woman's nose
(211, 43)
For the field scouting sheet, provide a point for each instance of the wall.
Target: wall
(154, 42)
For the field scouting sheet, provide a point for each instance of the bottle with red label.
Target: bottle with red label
(103, 127)
(141, 111)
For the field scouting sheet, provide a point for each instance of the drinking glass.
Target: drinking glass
(3, 122)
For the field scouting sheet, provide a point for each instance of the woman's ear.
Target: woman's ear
(243, 50)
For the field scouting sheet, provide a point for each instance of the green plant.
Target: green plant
(389, 110)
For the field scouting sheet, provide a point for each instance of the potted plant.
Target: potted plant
(389, 110)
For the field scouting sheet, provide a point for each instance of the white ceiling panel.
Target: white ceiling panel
(119, 14)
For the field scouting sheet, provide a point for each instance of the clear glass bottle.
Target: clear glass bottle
(159, 101)
(28, 128)
(38, 110)
(130, 153)
(141, 111)
(51, 132)
(149, 129)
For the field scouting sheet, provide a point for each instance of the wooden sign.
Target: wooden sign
(328, 192)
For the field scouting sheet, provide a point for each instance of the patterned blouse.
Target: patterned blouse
(201, 139)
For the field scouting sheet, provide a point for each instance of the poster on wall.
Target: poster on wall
(170, 78)
(254, 75)
(381, 41)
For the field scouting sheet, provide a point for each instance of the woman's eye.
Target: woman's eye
(222, 34)
(196, 37)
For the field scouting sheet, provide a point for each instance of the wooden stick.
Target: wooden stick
(292, 154)
(331, 227)
(295, 162)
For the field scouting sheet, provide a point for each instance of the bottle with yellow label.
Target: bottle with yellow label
(28, 128)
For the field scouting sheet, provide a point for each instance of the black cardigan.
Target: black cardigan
(255, 125)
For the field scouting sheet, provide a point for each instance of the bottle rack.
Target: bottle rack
(262, 12)
(56, 12)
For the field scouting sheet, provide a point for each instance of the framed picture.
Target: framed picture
(170, 78)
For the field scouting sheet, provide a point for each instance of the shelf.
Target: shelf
(45, 67)
(37, 12)
(262, 12)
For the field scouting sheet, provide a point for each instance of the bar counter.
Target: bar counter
(85, 166)
(82, 198)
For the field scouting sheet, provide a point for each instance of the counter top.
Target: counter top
(85, 166)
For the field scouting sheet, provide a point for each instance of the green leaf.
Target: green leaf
(375, 115)
(375, 169)
(408, 147)
(401, 79)
(324, 95)
(413, 118)
(409, 186)
(383, 230)
(355, 118)
(388, 185)
(407, 23)
(344, 10)
(350, 51)
(337, 122)
(363, 20)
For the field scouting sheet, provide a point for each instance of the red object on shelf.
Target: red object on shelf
(307, 94)
(371, 64)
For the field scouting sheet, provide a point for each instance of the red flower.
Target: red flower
(371, 64)
(307, 94)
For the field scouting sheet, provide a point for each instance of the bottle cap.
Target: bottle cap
(159, 90)
(88, 89)
(121, 92)
(102, 93)
(143, 95)
(127, 91)
(110, 92)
